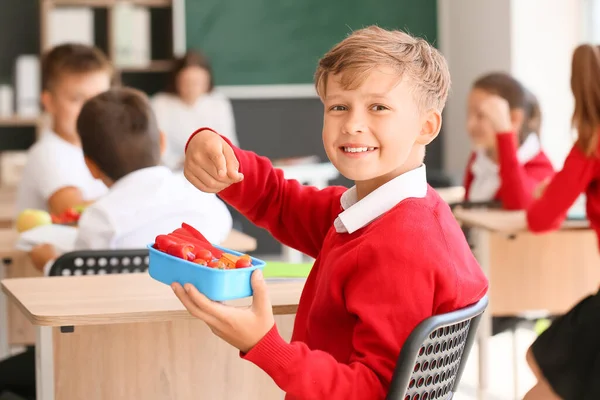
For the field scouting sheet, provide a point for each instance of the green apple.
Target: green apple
(80, 208)
(30, 218)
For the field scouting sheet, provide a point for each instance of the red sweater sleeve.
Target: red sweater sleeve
(549, 211)
(468, 176)
(377, 293)
(518, 181)
(281, 206)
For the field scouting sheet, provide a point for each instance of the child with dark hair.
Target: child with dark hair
(122, 147)
(507, 162)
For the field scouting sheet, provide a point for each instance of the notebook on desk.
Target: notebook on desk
(60, 236)
(280, 271)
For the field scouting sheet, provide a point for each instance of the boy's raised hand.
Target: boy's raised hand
(242, 328)
(210, 163)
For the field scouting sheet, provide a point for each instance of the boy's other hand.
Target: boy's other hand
(41, 254)
(497, 112)
(242, 328)
(210, 163)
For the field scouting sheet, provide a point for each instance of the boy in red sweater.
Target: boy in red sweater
(388, 251)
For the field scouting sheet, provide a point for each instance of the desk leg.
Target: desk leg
(291, 256)
(4, 348)
(44, 363)
(481, 240)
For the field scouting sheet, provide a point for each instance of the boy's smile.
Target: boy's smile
(357, 149)
(376, 131)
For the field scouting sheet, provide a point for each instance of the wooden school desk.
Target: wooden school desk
(452, 194)
(128, 337)
(7, 207)
(529, 272)
(15, 329)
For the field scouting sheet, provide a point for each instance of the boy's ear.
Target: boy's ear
(517, 119)
(430, 127)
(163, 143)
(93, 167)
(47, 101)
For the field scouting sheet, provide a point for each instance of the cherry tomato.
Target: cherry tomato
(243, 263)
(205, 255)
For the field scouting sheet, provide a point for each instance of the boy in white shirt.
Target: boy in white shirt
(55, 177)
(122, 146)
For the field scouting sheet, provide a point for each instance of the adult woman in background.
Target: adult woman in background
(190, 103)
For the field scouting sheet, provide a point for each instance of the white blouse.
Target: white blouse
(486, 173)
(178, 120)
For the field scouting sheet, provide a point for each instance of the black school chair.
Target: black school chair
(433, 357)
(100, 262)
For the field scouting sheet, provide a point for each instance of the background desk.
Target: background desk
(529, 272)
(133, 339)
(7, 206)
(15, 329)
(317, 175)
(453, 194)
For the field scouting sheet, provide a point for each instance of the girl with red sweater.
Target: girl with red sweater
(566, 357)
(507, 162)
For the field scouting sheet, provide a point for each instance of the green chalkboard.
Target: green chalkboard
(280, 41)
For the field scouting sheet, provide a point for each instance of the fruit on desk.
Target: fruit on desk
(69, 216)
(80, 208)
(30, 218)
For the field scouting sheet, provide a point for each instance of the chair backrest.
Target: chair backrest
(100, 262)
(433, 357)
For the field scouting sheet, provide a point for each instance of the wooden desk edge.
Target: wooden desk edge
(108, 319)
(16, 301)
(570, 226)
(467, 218)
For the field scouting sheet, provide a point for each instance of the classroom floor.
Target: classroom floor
(501, 376)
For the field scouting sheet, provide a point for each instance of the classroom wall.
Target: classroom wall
(541, 57)
(16, 38)
(474, 38)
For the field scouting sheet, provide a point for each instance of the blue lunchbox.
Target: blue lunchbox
(216, 284)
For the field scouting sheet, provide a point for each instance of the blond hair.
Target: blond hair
(585, 70)
(372, 47)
